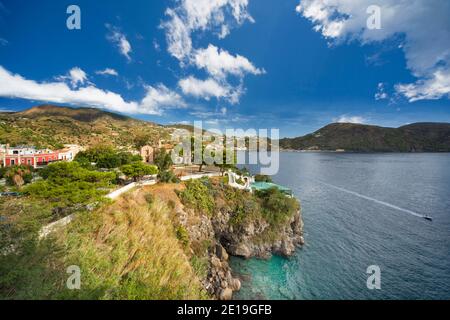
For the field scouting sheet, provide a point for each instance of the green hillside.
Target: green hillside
(52, 126)
(418, 137)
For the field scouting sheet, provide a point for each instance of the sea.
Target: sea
(364, 227)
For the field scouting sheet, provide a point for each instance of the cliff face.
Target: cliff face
(239, 225)
(247, 241)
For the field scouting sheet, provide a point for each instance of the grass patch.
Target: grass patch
(127, 250)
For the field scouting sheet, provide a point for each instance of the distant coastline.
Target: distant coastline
(358, 152)
(359, 138)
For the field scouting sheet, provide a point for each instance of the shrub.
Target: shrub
(163, 160)
(19, 175)
(137, 170)
(106, 157)
(183, 236)
(167, 176)
(242, 172)
(262, 178)
(171, 204)
(149, 198)
(198, 196)
(276, 207)
(68, 184)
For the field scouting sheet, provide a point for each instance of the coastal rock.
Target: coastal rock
(221, 252)
(242, 250)
(218, 237)
(242, 242)
(226, 294)
(220, 282)
(235, 285)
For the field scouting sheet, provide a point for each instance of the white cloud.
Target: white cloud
(3, 42)
(203, 88)
(76, 76)
(201, 15)
(160, 97)
(210, 88)
(107, 72)
(212, 122)
(432, 88)
(156, 100)
(219, 63)
(381, 93)
(120, 40)
(178, 36)
(218, 16)
(350, 119)
(156, 45)
(423, 24)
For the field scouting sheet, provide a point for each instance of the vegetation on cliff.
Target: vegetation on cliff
(126, 250)
(213, 196)
(145, 245)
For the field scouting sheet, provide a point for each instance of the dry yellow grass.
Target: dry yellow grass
(129, 250)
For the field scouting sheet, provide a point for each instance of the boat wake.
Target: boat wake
(373, 200)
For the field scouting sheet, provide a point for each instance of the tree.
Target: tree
(137, 170)
(168, 176)
(195, 155)
(105, 157)
(227, 163)
(142, 140)
(67, 184)
(163, 160)
(19, 175)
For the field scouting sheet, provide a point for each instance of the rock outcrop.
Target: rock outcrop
(244, 240)
(247, 242)
(220, 282)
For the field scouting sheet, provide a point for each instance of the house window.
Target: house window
(29, 162)
(13, 162)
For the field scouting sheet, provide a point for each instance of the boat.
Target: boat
(428, 218)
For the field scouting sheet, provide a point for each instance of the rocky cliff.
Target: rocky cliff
(238, 225)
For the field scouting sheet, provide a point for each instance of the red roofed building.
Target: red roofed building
(24, 155)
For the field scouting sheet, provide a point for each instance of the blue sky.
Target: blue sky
(293, 65)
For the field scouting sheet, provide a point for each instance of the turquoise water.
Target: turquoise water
(361, 210)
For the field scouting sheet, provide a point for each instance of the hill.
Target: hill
(52, 126)
(418, 137)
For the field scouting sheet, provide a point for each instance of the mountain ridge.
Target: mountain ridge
(416, 137)
(52, 126)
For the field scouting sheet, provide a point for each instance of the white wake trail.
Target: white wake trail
(372, 199)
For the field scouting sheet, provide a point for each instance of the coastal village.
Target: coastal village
(182, 165)
(31, 156)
